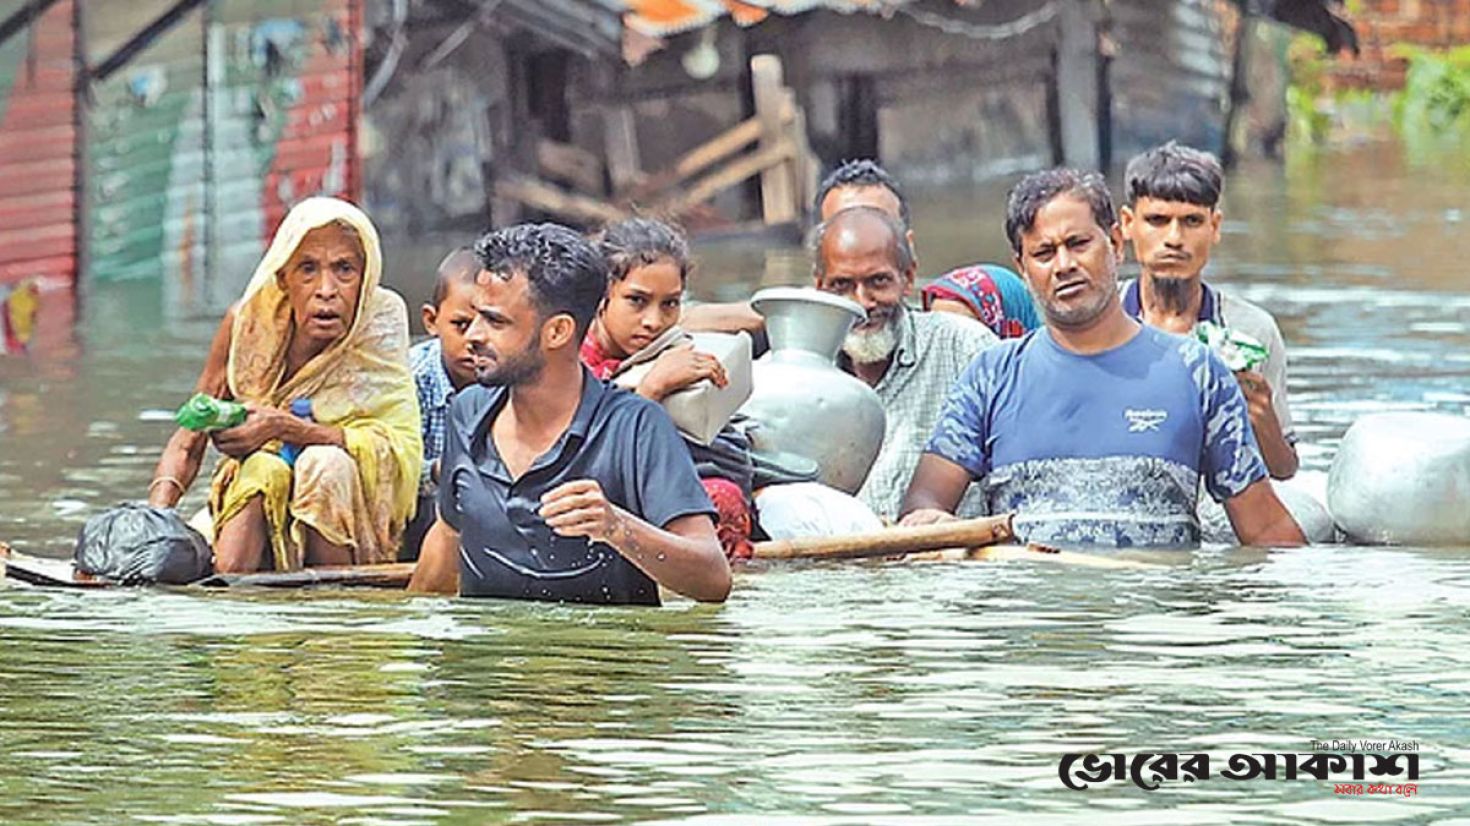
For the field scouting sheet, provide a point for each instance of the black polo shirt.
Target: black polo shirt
(625, 442)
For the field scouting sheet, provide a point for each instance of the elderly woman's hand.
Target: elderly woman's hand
(262, 424)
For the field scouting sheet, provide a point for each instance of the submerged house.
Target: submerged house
(160, 141)
(520, 117)
(936, 89)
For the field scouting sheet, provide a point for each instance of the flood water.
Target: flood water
(854, 693)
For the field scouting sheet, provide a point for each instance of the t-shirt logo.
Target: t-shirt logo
(1145, 421)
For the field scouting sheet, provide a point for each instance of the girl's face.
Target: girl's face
(643, 305)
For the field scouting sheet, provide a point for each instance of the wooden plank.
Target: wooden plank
(51, 573)
(60, 573)
(1079, 121)
(778, 187)
(700, 158)
(570, 164)
(543, 196)
(734, 173)
(620, 142)
(805, 168)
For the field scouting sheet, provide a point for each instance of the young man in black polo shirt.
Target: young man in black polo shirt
(553, 485)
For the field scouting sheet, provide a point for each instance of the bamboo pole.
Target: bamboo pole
(778, 187)
(964, 533)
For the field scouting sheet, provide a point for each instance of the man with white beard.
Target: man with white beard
(911, 359)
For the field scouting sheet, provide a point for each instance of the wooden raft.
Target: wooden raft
(986, 538)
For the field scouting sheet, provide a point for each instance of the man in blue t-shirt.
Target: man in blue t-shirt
(1094, 430)
(554, 485)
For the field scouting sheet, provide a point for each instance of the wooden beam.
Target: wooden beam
(738, 170)
(699, 159)
(548, 198)
(620, 142)
(778, 187)
(1079, 117)
(804, 167)
(570, 164)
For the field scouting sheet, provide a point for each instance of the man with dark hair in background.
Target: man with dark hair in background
(1172, 218)
(1094, 430)
(553, 485)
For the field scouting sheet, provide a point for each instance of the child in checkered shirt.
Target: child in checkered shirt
(442, 366)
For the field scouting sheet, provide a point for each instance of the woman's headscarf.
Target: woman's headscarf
(996, 297)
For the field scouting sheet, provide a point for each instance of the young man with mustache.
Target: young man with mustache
(1095, 430)
(553, 485)
(1172, 219)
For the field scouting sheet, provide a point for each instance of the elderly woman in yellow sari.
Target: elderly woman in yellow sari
(313, 324)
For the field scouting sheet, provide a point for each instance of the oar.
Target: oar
(964, 533)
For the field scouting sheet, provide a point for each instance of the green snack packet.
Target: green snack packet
(204, 412)
(1238, 350)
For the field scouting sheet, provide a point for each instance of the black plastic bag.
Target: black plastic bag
(135, 544)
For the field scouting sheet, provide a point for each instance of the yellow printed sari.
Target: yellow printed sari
(360, 384)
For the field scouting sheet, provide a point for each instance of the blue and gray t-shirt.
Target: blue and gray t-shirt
(1104, 449)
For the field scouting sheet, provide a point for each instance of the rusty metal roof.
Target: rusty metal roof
(663, 17)
(590, 27)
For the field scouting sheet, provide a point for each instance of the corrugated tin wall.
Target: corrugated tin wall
(145, 152)
(38, 147)
(284, 78)
(1171, 76)
(200, 145)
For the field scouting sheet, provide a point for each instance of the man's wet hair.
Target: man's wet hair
(638, 242)
(862, 173)
(565, 272)
(1174, 172)
(460, 266)
(900, 251)
(1038, 189)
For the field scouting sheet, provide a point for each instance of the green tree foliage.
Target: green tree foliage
(1309, 122)
(1436, 94)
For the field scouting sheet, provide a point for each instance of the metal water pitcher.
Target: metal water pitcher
(801, 401)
